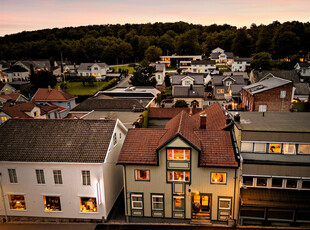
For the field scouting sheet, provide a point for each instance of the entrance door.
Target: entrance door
(201, 206)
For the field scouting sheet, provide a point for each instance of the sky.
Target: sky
(28, 15)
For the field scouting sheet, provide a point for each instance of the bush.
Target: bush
(180, 104)
(145, 115)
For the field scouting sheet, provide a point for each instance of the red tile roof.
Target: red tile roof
(215, 145)
(11, 96)
(52, 95)
(18, 110)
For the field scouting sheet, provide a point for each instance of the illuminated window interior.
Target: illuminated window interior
(218, 178)
(305, 149)
(178, 176)
(275, 148)
(52, 203)
(88, 204)
(17, 202)
(178, 154)
(220, 91)
(6, 89)
(142, 174)
(288, 148)
(178, 203)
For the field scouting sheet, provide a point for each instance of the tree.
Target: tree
(167, 80)
(42, 79)
(143, 75)
(285, 44)
(153, 53)
(180, 104)
(263, 43)
(262, 60)
(188, 43)
(241, 45)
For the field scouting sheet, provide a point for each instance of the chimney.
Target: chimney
(190, 111)
(49, 88)
(59, 89)
(237, 117)
(203, 121)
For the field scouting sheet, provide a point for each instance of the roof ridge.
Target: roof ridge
(180, 123)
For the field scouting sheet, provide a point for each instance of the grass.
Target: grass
(129, 68)
(77, 88)
(223, 66)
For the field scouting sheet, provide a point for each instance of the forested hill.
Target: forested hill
(128, 43)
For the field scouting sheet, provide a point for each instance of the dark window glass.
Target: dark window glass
(248, 181)
(261, 181)
(276, 182)
(291, 183)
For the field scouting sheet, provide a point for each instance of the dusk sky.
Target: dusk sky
(27, 15)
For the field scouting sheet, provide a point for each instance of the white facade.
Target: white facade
(95, 70)
(7, 89)
(17, 76)
(106, 183)
(209, 68)
(239, 66)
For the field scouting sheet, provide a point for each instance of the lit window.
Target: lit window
(142, 174)
(136, 201)
(246, 147)
(306, 184)
(52, 203)
(3, 118)
(224, 203)
(291, 183)
(288, 148)
(57, 176)
(218, 178)
(259, 147)
(275, 148)
(35, 114)
(178, 203)
(277, 183)
(220, 91)
(40, 176)
(17, 202)
(86, 177)
(178, 154)
(304, 149)
(12, 175)
(248, 181)
(6, 89)
(88, 204)
(158, 202)
(261, 182)
(178, 176)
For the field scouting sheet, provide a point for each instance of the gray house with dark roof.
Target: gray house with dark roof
(60, 170)
(97, 70)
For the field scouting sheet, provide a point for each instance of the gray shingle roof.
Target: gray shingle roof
(87, 66)
(55, 140)
(177, 79)
(304, 65)
(264, 85)
(302, 88)
(185, 91)
(290, 75)
(238, 79)
(108, 104)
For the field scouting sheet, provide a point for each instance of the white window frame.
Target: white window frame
(12, 176)
(153, 202)
(57, 176)
(173, 180)
(224, 199)
(86, 175)
(132, 201)
(283, 94)
(40, 176)
(283, 180)
(218, 91)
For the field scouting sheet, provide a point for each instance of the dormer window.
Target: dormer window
(179, 154)
(187, 82)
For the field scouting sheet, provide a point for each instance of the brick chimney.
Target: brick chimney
(203, 121)
(49, 88)
(59, 89)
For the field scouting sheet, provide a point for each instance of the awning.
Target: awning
(275, 198)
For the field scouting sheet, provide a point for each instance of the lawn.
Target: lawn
(77, 88)
(129, 68)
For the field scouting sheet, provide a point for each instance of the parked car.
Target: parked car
(167, 101)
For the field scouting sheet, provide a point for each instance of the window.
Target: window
(291, 183)
(275, 148)
(178, 176)
(17, 202)
(86, 177)
(248, 181)
(261, 182)
(288, 148)
(95, 68)
(179, 154)
(187, 83)
(224, 203)
(283, 94)
(114, 139)
(12, 175)
(136, 201)
(88, 204)
(158, 202)
(304, 149)
(220, 91)
(69, 105)
(35, 114)
(120, 136)
(260, 147)
(228, 83)
(40, 176)
(178, 203)
(277, 183)
(246, 147)
(305, 184)
(143, 175)
(262, 108)
(57, 176)
(218, 178)
(52, 203)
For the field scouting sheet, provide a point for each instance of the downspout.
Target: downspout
(125, 195)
